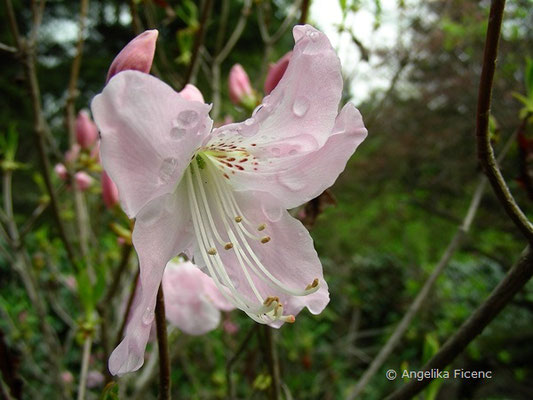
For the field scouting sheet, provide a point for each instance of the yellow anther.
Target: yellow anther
(228, 246)
(271, 299)
(261, 227)
(312, 285)
(265, 239)
(238, 218)
(212, 251)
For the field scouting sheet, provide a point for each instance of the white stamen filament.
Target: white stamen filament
(224, 194)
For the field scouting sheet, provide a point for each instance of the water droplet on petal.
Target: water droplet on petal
(167, 169)
(276, 151)
(187, 118)
(292, 152)
(148, 316)
(250, 127)
(249, 121)
(177, 133)
(300, 106)
(313, 35)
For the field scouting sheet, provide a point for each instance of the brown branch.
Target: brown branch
(513, 282)
(231, 363)
(304, 11)
(484, 146)
(39, 125)
(198, 40)
(162, 341)
(273, 363)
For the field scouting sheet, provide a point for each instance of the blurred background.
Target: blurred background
(411, 67)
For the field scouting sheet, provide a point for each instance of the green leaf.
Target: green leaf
(529, 77)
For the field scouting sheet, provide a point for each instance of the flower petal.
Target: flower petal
(148, 136)
(296, 179)
(186, 303)
(162, 230)
(304, 104)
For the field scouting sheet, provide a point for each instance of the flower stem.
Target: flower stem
(162, 341)
(84, 366)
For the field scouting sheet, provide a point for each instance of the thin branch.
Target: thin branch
(8, 49)
(304, 11)
(128, 308)
(484, 146)
(513, 282)
(199, 39)
(84, 366)
(162, 341)
(454, 244)
(273, 363)
(231, 363)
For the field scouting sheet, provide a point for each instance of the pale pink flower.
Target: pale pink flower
(109, 190)
(221, 195)
(192, 300)
(71, 155)
(61, 171)
(239, 84)
(192, 93)
(137, 55)
(94, 379)
(86, 130)
(275, 72)
(83, 180)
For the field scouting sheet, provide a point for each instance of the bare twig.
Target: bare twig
(273, 363)
(39, 124)
(84, 366)
(484, 146)
(8, 49)
(198, 40)
(513, 282)
(231, 363)
(162, 341)
(304, 11)
(454, 244)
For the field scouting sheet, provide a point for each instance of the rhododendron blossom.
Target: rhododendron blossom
(192, 300)
(220, 196)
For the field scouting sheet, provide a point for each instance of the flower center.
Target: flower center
(221, 226)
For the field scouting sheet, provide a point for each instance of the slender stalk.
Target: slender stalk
(513, 282)
(133, 289)
(453, 246)
(273, 363)
(304, 11)
(162, 341)
(484, 146)
(231, 363)
(84, 366)
(199, 39)
(39, 124)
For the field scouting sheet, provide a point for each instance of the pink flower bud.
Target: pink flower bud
(275, 72)
(67, 377)
(109, 191)
(230, 327)
(83, 180)
(192, 93)
(137, 55)
(239, 84)
(72, 154)
(86, 130)
(61, 171)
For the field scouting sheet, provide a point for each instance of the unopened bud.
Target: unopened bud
(192, 93)
(109, 191)
(83, 180)
(136, 55)
(275, 72)
(240, 89)
(61, 171)
(86, 130)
